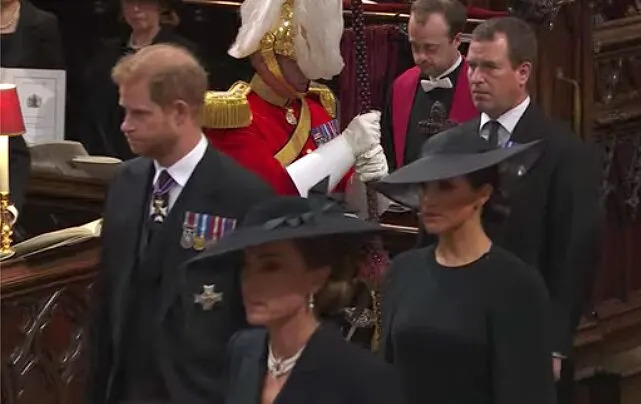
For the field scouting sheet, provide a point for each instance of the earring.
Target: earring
(310, 302)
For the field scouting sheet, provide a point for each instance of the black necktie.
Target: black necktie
(493, 133)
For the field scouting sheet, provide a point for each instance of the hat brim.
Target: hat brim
(258, 235)
(402, 185)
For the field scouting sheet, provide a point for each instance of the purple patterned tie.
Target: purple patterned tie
(160, 197)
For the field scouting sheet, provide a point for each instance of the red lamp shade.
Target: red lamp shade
(11, 123)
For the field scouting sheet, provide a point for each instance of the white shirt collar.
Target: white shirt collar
(181, 170)
(451, 69)
(510, 118)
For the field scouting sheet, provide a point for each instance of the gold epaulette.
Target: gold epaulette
(227, 109)
(326, 97)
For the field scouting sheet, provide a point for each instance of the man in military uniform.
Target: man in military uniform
(282, 125)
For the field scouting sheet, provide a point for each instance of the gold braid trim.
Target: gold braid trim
(227, 109)
(326, 97)
(294, 146)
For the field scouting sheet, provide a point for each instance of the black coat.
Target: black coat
(36, 42)
(98, 125)
(555, 218)
(329, 370)
(187, 343)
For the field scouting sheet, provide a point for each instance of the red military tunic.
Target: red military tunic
(255, 145)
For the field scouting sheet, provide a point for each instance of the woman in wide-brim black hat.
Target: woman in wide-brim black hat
(300, 257)
(464, 321)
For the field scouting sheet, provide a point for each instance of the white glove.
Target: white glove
(371, 165)
(364, 132)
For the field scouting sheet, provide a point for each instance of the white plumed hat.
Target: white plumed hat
(308, 31)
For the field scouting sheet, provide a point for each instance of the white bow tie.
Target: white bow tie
(429, 85)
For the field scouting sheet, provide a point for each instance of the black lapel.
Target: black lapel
(134, 199)
(529, 128)
(319, 355)
(252, 367)
(198, 195)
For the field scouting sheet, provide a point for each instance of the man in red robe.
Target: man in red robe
(282, 125)
(440, 76)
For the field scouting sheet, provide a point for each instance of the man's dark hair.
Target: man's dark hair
(454, 12)
(521, 39)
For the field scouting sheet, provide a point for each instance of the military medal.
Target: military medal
(159, 209)
(199, 238)
(208, 298)
(291, 118)
(325, 132)
(189, 228)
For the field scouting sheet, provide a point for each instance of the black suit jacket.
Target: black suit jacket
(330, 370)
(189, 342)
(19, 168)
(37, 42)
(555, 217)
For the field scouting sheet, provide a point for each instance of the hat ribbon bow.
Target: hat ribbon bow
(301, 218)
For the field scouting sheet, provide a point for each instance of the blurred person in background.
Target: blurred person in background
(148, 22)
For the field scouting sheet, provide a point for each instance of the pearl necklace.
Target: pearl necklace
(136, 47)
(13, 20)
(279, 367)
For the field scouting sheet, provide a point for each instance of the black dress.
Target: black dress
(35, 43)
(467, 335)
(99, 125)
(555, 219)
(329, 370)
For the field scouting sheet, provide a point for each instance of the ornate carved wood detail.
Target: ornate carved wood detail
(44, 308)
(618, 275)
(610, 10)
(617, 94)
(617, 61)
(539, 12)
(44, 340)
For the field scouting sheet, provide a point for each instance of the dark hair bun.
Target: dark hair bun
(333, 297)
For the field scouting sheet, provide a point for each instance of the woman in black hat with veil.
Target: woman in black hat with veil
(300, 258)
(464, 321)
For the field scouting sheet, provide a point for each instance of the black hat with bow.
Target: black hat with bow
(287, 217)
(456, 152)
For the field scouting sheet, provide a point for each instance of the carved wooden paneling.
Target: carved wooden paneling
(616, 121)
(617, 95)
(44, 308)
(617, 61)
(45, 346)
(609, 341)
(619, 273)
(615, 10)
